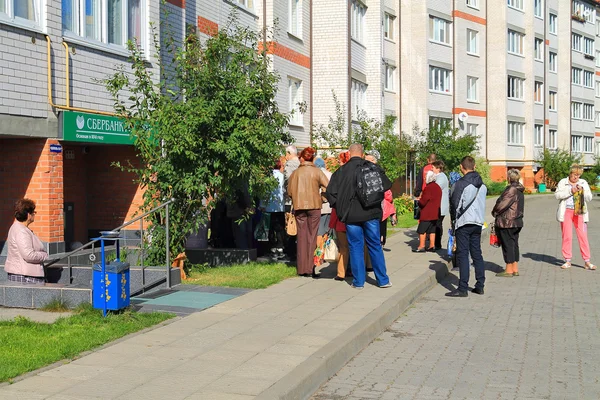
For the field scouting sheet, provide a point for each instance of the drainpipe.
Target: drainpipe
(487, 101)
(349, 84)
(310, 72)
(453, 65)
(399, 36)
(51, 101)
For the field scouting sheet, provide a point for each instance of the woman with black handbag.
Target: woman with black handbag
(508, 213)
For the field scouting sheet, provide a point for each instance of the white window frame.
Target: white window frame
(588, 112)
(440, 80)
(576, 42)
(584, 11)
(576, 143)
(515, 88)
(359, 98)
(538, 92)
(538, 9)
(597, 120)
(588, 46)
(37, 22)
(588, 79)
(79, 33)
(472, 129)
(249, 4)
(552, 139)
(588, 144)
(552, 22)
(597, 28)
(597, 88)
(358, 21)
(473, 4)
(514, 42)
(514, 132)
(538, 49)
(516, 4)
(552, 98)
(538, 135)
(597, 58)
(295, 18)
(552, 62)
(576, 76)
(440, 30)
(295, 97)
(390, 78)
(472, 41)
(576, 110)
(473, 89)
(389, 27)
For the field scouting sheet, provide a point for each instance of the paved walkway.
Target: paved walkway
(34, 315)
(529, 337)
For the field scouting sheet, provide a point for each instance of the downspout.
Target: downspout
(310, 72)
(400, 67)
(546, 86)
(349, 83)
(453, 65)
(487, 103)
(66, 107)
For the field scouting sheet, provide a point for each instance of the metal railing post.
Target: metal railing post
(142, 251)
(167, 244)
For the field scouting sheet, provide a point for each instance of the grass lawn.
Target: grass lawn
(27, 345)
(254, 275)
(406, 221)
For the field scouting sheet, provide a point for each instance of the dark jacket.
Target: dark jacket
(463, 192)
(430, 202)
(509, 207)
(341, 194)
(420, 180)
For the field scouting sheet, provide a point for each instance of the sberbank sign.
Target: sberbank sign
(92, 128)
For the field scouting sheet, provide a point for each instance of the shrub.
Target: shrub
(495, 188)
(589, 177)
(556, 165)
(404, 204)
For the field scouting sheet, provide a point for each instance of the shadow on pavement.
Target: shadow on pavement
(543, 257)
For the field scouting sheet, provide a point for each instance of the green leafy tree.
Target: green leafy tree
(556, 165)
(448, 144)
(207, 127)
(395, 152)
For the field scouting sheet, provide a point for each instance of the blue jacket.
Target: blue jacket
(463, 192)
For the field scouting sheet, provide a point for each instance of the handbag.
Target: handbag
(331, 252)
(290, 223)
(494, 239)
(416, 210)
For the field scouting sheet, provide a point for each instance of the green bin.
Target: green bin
(542, 187)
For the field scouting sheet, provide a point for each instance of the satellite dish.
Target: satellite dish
(463, 116)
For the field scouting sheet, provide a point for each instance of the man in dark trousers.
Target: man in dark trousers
(467, 210)
(420, 181)
(362, 223)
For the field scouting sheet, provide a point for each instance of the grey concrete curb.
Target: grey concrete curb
(306, 378)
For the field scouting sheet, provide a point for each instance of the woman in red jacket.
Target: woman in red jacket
(430, 202)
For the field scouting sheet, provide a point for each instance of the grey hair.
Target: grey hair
(356, 148)
(430, 177)
(513, 175)
(292, 150)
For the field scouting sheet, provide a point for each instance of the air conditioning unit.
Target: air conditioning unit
(463, 116)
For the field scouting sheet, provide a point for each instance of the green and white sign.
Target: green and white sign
(93, 128)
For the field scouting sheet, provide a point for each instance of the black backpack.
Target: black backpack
(369, 185)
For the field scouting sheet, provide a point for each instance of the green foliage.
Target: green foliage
(596, 168)
(56, 305)
(208, 126)
(394, 153)
(495, 188)
(404, 204)
(556, 165)
(254, 275)
(589, 177)
(448, 144)
(406, 221)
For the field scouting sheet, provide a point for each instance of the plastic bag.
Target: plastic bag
(451, 242)
(494, 239)
(331, 252)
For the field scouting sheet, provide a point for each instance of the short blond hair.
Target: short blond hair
(577, 169)
(513, 175)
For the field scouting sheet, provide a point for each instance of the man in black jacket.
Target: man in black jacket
(362, 224)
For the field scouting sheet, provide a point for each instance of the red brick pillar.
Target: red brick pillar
(527, 177)
(498, 173)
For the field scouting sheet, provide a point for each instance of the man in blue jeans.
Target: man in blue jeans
(362, 223)
(467, 209)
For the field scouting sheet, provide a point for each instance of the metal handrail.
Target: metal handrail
(138, 218)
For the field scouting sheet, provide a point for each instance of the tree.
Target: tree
(556, 165)
(208, 127)
(448, 144)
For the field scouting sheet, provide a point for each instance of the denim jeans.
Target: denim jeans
(358, 234)
(468, 240)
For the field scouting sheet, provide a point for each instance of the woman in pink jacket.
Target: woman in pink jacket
(25, 251)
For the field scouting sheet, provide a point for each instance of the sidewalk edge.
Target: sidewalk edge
(307, 377)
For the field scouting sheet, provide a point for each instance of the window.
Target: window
(439, 121)
(576, 110)
(576, 76)
(295, 98)
(588, 46)
(538, 94)
(597, 28)
(120, 22)
(515, 88)
(515, 132)
(439, 80)
(588, 144)
(538, 135)
(472, 129)
(552, 139)
(472, 92)
(245, 3)
(588, 79)
(552, 100)
(515, 42)
(472, 41)
(585, 11)
(588, 112)
(597, 58)
(552, 23)
(538, 48)
(295, 18)
(518, 4)
(27, 12)
(576, 144)
(552, 62)
(359, 97)
(388, 26)
(358, 21)
(473, 3)
(390, 73)
(576, 41)
(538, 9)
(439, 30)
(597, 88)
(597, 119)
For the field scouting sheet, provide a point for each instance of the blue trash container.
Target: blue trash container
(113, 288)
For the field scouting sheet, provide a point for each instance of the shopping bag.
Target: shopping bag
(494, 239)
(451, 242)
(331, 252)
(290, 223)
(261, 232)
(416, 210)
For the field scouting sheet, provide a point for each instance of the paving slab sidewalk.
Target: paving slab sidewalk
(280, 342)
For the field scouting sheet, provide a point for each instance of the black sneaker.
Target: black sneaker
(457, 293)
(477, 290)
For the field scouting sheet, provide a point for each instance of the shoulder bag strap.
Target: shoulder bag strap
(464, 210)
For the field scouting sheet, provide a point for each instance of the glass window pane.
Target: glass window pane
(115, 21)
(134, 21)
(69, 15)
(92, 19)
(25, 9)
(2, 6)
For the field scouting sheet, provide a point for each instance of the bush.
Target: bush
(589, 177)
(495, 188)
(556, 165)
(404, 204)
